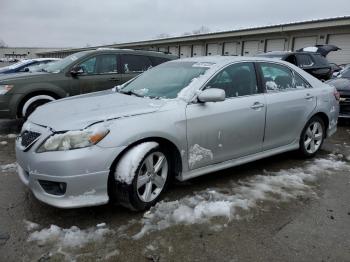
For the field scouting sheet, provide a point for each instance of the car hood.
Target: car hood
(341, 84)
(79, 112)
(20, 76)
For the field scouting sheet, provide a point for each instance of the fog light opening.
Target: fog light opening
(53, 188)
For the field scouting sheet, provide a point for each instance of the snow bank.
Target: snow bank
(71, 237)
(197, 154)
(131, 160)
(283, 185)
(8, 167)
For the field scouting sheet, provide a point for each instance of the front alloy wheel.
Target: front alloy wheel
(148, 167)
(152, 176)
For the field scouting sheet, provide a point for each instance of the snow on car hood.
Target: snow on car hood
(78, 112)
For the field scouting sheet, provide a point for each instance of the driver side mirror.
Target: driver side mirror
(76, 70)
(212, 95)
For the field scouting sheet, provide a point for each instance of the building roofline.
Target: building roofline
(292, 26)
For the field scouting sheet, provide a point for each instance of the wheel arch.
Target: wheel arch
(171, 148)
(325, 120)
(29, 95)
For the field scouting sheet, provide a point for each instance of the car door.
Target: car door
(230, 129)
(133, 65)
(99, 73)
(289, 103)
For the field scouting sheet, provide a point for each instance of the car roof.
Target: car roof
(130, 51)
(230, 59)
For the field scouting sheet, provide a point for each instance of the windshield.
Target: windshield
(62, 64)
(165, 80)
(40, 67)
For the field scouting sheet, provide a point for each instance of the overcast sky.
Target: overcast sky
(76, 23)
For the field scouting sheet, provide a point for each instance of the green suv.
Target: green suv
(79, 73)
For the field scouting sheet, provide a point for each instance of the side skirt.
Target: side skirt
(236, 162)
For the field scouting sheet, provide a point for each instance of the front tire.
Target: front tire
(33, 103)
(150, 171)
(312, 137)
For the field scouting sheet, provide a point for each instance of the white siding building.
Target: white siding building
(249, 41)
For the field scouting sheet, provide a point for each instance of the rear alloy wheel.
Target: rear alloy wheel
(149, 179)
(312, 137)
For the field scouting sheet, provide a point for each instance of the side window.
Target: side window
(135, 63)
(107, 64)
(89, 66)
(276, 77)
(304, 60)
(158, 60)
(300, 82)
(236, 80)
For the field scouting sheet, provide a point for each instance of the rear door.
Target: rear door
(230, 129)
(289, 102)
(133, 65)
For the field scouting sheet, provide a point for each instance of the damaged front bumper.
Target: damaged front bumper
(66, 179)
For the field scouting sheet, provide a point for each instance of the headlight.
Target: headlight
(74, 139)
(5, 88)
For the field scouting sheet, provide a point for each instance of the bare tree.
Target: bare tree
(202, 30)
(2, 43)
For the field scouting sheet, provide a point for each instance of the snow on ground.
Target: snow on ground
(30, 225)
(71, 237)
(283, 185)
(8, 167)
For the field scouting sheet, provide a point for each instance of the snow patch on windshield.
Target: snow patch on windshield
(240, 197)
(131, 160)
(71, 237)
(310, 49)
(197, 154)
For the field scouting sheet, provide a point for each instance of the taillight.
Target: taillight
(336, 94)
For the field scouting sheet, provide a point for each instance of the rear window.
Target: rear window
(320, 60)
(158, 60)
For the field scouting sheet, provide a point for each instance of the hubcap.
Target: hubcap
(152, 176)
(313, 137)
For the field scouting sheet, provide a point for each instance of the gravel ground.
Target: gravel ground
(304, 221)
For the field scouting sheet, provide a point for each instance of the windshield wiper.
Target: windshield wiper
(130, 92)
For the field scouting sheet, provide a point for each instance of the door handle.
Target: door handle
(257, 105)
(114, 79)
(309, 97)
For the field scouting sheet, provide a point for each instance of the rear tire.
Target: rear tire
(150, 176)
(312, 137)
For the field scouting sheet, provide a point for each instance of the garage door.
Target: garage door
(214, 49)
(342, 56)
(185, 51)
(231, 48)
(163, 49)
(275, 45)
(250, 48)
(174, 50)
(198, 50)
(301, 42)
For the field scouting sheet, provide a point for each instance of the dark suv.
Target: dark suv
(313, 63)
(79, 73)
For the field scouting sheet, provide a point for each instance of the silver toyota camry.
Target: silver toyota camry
(182, 119)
